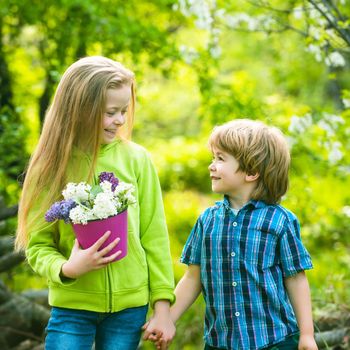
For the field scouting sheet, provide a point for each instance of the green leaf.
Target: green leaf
(95, 190)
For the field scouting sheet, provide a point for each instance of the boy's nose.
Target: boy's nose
(211, 167)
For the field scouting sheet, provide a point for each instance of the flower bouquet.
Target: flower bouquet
(93, 210)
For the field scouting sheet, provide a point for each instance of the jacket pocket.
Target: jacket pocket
(131, 272)
(137, 249)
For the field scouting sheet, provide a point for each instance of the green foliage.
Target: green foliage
(182, 164)
(195, 70)
(12, 154)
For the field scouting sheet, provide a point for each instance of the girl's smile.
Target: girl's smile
(117, 102)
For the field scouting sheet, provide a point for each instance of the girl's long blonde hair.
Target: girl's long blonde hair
(74, 120)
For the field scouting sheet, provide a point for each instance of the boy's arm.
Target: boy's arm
(159, 328)
(298, 291)
(186, 291)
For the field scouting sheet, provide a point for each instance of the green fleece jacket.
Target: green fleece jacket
(145, 275)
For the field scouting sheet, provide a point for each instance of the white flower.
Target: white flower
(100, 201)
(326, 127)
(346, 103)
(79, 215)
(330, 123)
(104, 206)
(78, 192)
(189, 54)
(201, 9)
(315, 32)
(106, 187)
(346, 211)
(335, 59)
(335, 154)
(123, 187)
(316, 51)
(298, 125)
(130, 198)
(298, 12)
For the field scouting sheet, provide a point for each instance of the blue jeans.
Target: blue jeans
(78, 329)
(290, 343)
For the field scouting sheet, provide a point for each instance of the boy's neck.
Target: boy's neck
(237, 203)
(242, 196)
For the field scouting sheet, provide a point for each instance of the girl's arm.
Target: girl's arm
(298, 291)
(154, 234)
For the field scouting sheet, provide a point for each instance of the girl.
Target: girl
(86, 131)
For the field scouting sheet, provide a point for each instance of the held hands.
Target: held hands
(85, 260)
(160, 328)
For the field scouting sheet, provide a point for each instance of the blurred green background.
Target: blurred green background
(198, 64)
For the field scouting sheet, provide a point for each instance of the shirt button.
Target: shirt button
(234, 284)
(233, 254)
(237, 314)
(234, 224)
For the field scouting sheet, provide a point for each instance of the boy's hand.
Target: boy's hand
(161, 330)
(307, 342)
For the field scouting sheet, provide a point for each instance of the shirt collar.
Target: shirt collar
(254, 204)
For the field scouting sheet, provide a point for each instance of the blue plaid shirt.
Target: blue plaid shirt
(243, 261)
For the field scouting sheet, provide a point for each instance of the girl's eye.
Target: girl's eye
(110, 114)
(124, 111)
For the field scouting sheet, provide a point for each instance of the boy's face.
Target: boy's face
(224, 174)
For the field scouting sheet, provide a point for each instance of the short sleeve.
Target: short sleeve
(191, 254)
(294, 256)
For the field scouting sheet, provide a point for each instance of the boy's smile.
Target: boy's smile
(227, 178)
(225, 174)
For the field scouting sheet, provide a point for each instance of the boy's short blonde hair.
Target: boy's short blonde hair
(258, 148)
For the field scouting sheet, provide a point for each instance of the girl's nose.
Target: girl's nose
(119, 119)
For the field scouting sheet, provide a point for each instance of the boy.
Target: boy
(245, 253)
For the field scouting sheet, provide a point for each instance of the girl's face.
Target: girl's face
(117, 102)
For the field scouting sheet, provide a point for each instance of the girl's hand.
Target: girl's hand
(154, 337)
(82, 261)
(161, 330)
(307, 342)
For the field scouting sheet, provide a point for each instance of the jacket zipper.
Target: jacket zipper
(109, 289)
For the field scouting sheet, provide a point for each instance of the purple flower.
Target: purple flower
(60, 210)
(105, 176)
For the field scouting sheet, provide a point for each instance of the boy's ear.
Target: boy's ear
(251, 177)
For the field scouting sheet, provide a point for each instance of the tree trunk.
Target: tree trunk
(330, 338)
(20, 319)
(10, 260)
(5, 80)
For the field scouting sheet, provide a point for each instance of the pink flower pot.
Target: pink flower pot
(88, 234)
